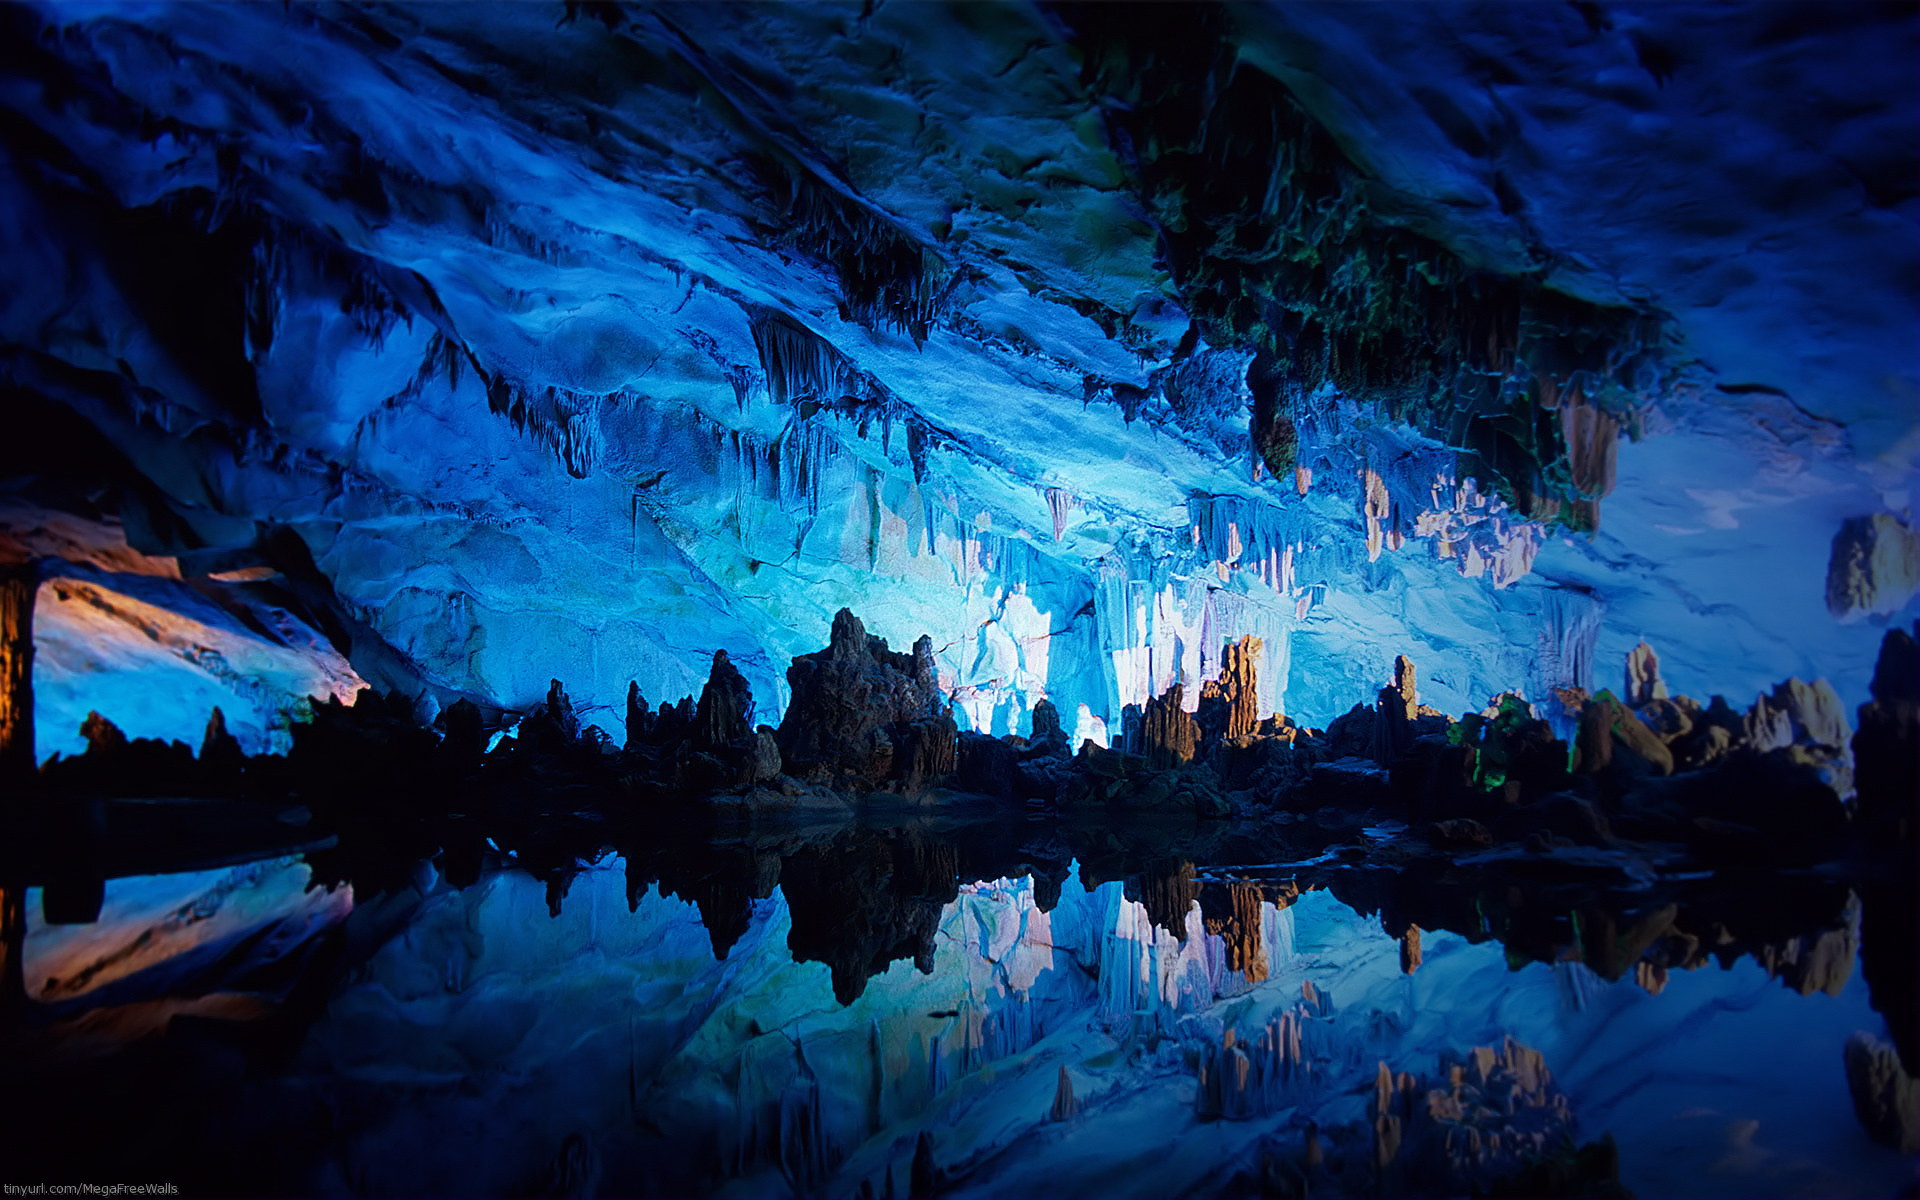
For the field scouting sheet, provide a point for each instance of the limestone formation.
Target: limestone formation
(1873, 567)
(1168, 736)
(1885, 1097)
(1235, 914)
(1230, 705)
(1065, 1104)
(726, 706)
(464, 738)
(552, 726)
(19, 582)
(639, 717)
(848, 699)
(1644, 684)
(1046, 726)
(219, 751)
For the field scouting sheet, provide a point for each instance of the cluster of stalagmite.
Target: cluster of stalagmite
(1492, 1119)
(1239, 1080)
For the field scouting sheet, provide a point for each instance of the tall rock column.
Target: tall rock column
(19, 580)
(1230, 705)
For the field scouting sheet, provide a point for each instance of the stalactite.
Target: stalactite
(887, 277)
(798, 363)
(1058, 502)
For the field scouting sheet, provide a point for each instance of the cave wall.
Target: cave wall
(534, 341)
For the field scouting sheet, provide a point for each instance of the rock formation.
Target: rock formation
(19, 581)
(1066, 1105)
(1168, 736)
(1230, 705)
(1644, 684)
(1885, 1097)
(726, 706)
(1873, 567)
(852, 701)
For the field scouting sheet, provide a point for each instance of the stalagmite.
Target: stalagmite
(13, 945)
(1644, 684)
(463, 737)
(1410, 955)
(1046, 724)
(1394, 713)
(1065, 1104)
(1873, 567)
(1885, 1097)
(19, 581)
(218, 748)
(726, 705)
(1230, 705)
(639, 719)
(1168, 736)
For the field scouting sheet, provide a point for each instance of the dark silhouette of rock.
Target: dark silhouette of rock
(639, 717)
(220, 753)
(1612, 736)
(766, 761)
(463, 736)
(847, 699)
(551, 728)
(726, 706)
(1886, 755)
(1046, 727)
(1460, 833)
(19, 585)
(1065, 1105)
(102, 736)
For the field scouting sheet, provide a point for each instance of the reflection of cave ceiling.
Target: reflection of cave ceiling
(507, 341)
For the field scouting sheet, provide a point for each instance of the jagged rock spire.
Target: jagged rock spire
(726, 705)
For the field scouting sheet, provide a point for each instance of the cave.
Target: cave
(884, 599)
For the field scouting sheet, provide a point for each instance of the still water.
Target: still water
(869, 1019)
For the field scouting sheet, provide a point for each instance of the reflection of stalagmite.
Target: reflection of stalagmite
(1168, 894)
(1238, 922)
(574, 1173)
(18, 584)
(1238, 1080)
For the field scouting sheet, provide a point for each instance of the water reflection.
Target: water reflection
(918, 1008)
